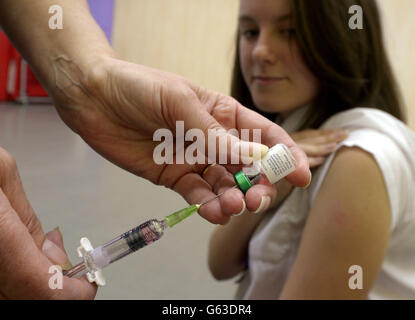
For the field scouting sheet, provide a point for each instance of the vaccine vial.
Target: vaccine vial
(274, 166)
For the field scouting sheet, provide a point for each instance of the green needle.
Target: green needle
(180, 215)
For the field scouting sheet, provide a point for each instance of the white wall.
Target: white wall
(399, 23)
(194, 38)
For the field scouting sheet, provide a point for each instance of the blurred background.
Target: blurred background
(72, 187)
(196, 38)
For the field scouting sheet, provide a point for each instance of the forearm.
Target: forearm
(26, 22)
(229, 243)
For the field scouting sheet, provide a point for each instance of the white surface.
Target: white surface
(71, 186)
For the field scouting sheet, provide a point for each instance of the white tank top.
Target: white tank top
(274, 244)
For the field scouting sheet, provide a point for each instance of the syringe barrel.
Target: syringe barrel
(127, 243)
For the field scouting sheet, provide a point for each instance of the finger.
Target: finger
(318, 150)
(232, 202)
(55, 236)
(260, 197)
(310, 133)
(221, 146)
(272, 134)
(196, 190)
(24, 269)
(12, 187)
(334, 137)
(218, 178)
(53, 248)
(221, 181)
(316, 161)
(239, 117)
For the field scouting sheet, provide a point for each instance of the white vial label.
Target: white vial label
(278, 163)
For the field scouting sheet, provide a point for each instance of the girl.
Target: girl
(351, 233)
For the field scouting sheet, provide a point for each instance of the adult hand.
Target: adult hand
(317, 145)
(26, 253)
(117, 106)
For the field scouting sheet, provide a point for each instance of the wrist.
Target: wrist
(76, 85)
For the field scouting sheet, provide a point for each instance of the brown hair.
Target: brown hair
(351, 65)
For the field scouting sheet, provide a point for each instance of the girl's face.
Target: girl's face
(271, 62)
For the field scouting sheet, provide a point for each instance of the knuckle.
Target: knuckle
(7, 161)
(224, 114)
(33, 224)
(186, 93)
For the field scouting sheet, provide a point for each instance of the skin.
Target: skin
(354, 221)
(22, 239)
(115, 106)
(271, 62)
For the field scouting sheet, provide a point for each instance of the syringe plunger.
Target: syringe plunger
(97, 259)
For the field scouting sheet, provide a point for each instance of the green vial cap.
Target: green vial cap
(242, 181)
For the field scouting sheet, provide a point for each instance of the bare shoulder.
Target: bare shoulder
(355, 181)
(349, 224)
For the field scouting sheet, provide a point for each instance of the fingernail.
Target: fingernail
(66, 266)
(55, 254)
(264, 150)
(309, 182)
(250, 151)
(243, 209)
(265, 201)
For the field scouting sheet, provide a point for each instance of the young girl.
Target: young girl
(351, 233)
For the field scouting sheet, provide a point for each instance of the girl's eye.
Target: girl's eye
(250, 34)
(288, 32)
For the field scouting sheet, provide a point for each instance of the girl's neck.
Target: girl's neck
(285, 115)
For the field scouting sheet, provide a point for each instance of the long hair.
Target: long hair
(351, 65)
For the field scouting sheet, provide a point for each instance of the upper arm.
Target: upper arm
(348, 225)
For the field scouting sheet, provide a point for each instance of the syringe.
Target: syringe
(275, 165)
(94, 260)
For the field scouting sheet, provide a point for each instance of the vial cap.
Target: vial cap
(242, 181)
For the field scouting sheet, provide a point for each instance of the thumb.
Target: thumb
(220, 145)
(53, 248)
(226, 148)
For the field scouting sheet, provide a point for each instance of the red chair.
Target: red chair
(17, 81)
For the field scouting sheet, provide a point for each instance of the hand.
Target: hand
(318, 144)
(26, 253)
(116, 107)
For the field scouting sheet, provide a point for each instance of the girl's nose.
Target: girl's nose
(265, 51)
